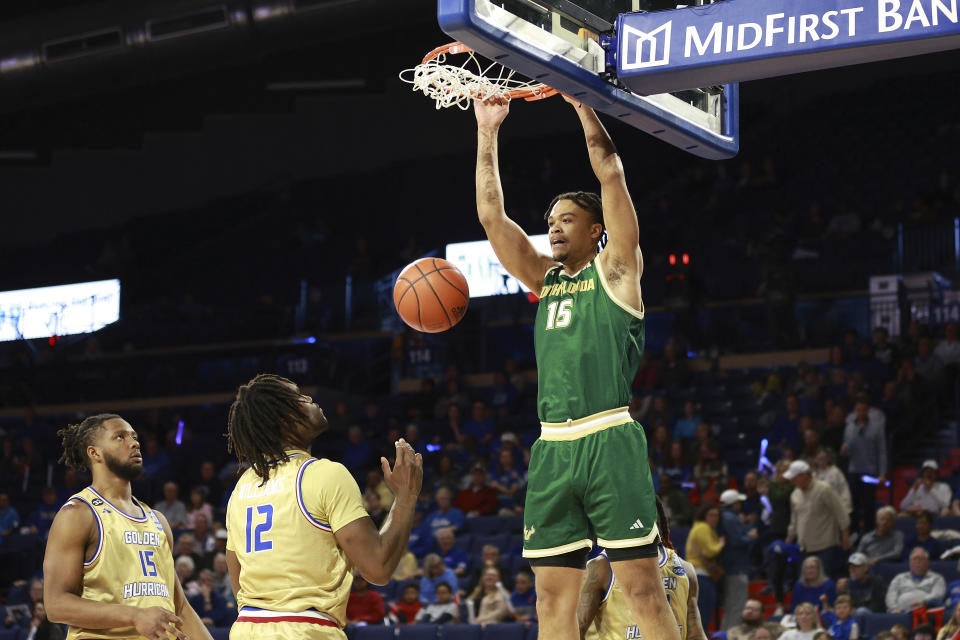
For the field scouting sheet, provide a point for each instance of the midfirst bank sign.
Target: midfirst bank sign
(736, 40)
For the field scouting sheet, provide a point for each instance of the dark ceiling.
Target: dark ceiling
(244, 93)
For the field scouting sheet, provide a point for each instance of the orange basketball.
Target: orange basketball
(431, 295)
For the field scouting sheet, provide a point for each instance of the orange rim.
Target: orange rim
(537, 92)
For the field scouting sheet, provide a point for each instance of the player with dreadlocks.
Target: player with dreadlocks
(296, 524)
(108, 568)
(603, 613)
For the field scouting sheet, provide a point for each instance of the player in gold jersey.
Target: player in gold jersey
(108, 568)
(603, 613)
(296, 524)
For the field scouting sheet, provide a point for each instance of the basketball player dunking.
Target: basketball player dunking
(296, 523)
(603, 613)
(589, 475)
(108, 568)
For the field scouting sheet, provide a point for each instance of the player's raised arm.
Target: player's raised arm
(512, 246)
(619, 215)
(63, 583)
(192, 624)
(377, 553)
(596, 581)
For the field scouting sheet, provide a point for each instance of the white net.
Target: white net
(451, 85)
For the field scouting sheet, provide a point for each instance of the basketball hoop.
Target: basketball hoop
(449, 84)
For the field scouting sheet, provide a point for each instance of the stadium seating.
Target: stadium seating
(456, 632)
(417, 632)
(506, 631)
(374, 632)
(873, 623)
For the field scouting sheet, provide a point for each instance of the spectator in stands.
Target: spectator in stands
(356, 455)
(735, 557)
(375, 510)
(686, 426)
(676, 502)
(900, 632)
(421, 536)
(186, 545)
(883, 350)
(865, 445)
(885, 543)
(407, 567)
(674, 373)
(763, 634)
(704, 546)
(445, 515)
(443, 611)
(503, 395)
(9, 518)
(172, 507)
(924, 631)
(660, 413)
(952, 625)
(376, 484)
(927, 365)
(659, 446)
(446, 473)
(710, 473)
(212, 489)
(407, 608)
(922, 537)
(523, 600)
(807, 626)
(489, 557)
(480, 425)
(38, 627)
(819, 522)
(206, 543)
(750, 621)
(917, 587)
(866, 592)
(221, 579)
(478, 499)
(185, 567)
(674, 464)
(824, 469)
(948, 351)
(40, 520)
(453, 557)
(786, 428)
(506, 479)
(927, 493)
(364, 604)
(813, 583)
(208, 603)
(435, 572)
(839, 622)
(198, 505)
(490, 600)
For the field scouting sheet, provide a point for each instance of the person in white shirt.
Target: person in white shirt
(927, 494)
(825, 469)
(807, 626)
(949, 349)
(918, 587)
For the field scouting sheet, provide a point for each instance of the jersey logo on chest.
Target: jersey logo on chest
(570, 286)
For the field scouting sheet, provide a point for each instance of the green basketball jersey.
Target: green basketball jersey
(588, 346)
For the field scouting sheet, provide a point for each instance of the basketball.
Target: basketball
(431, 295)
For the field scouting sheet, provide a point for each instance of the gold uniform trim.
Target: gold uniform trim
(630, 542)
(637, 313)
(576, 429)
(556, 551)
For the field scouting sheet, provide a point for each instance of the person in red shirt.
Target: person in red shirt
(478, 499)
(408, 606)
(365, 605)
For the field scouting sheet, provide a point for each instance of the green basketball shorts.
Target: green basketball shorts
(589, 478)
